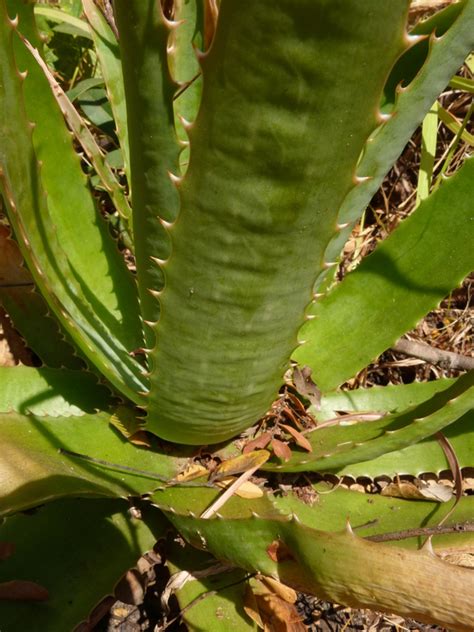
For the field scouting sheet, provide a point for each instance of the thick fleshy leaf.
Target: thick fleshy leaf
(221, 610)
(373, 514)
(259, 201)
(29, 311)
(185, 67)
(34, 471)
(424, 456)
(337, 446)
(255, 536)
(52, 392)
(89, 288)
(407, 275)
(446, 54)
(77, 550)
(154, 148)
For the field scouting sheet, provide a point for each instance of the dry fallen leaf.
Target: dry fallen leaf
(192, 471)
(421, 491)
(459, 558)
(246, 490)
(258, 443)
(306, 387)
(281, 450)
(283, 591)
(241, 463)
(272, 606)
(301, 440)
(251, 606)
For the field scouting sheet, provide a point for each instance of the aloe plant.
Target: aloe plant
(248, 162)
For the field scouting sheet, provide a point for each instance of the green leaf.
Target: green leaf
(429, 141)
(89, 288)
(253, 535)
(86, 139)
(424, 456)
(33, 470)
(259, 202)
(77, 550)
(220, 610)
(53, 392)
(337, 446)
(446, 54)
(59, 16)
(83, 86)
(108, 54)
(407, 275)
(29, 311)
(154, 148)
(372, 514)
(185, 67)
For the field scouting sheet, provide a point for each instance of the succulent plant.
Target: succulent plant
(253, 136)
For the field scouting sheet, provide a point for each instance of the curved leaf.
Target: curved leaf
(29, 311)
(446, 54)
(220, 610)
(154, 149)
(394, 579)
(33, 471)
(335, 447)
(408, 274)
(373, 514)
(108, 54)
(53, 392)
(104, 320)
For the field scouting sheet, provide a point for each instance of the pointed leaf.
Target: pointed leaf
(103, 322)
(404, 278)
(337, 446)
(33, 470)
(108, 54)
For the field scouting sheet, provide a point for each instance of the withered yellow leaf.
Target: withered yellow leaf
(126, 421)
(246, 490)
(241, 463)
(192, 471)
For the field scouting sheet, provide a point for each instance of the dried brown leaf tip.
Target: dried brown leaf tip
(418, 490)
(283, 425)
(281, 450)
(305, 385)
(20, 590)
(277, 551)
(272, 606)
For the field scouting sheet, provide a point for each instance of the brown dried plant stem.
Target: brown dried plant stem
(434, 356)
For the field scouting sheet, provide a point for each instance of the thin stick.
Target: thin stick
(461, 527)
(13, 285)
(434, 356)
(223, 498)
(125, 468)
(343, 418)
